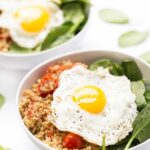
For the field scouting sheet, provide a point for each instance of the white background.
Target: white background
(100, 35)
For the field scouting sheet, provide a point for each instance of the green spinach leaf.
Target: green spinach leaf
(146, 56)
(83, 1)
(114, 68)
(104, 142)
(113, 16)
(132, 38)
(2, 100)
(74, 13)
(138, 89)
(58, 2)
(141, 127)
(121, 145)
(3, 148)
(100, 63)
(62, 39)
(117, 147)
(15, 48)
(147, 96)
(131, 70)
(55, 34)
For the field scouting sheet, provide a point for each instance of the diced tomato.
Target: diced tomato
(45, 79)
(73, 141)
(52, 75)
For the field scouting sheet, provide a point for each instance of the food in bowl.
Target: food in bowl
(87, 106)
(33, 26)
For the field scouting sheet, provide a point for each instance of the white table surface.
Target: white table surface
(99, 36)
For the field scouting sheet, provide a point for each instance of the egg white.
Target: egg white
(21, 37)
(117, 117)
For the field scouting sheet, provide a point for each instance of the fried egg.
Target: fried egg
(30, 21)
(94, 104)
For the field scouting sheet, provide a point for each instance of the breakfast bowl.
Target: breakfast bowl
(87, 100)
(53, 27)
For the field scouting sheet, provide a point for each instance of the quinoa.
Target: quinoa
(5, 40)
(35, 104)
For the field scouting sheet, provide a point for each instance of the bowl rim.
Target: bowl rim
(55, 48)
(38, 141)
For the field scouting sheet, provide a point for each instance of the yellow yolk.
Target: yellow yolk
(33, 18)
(90, 98)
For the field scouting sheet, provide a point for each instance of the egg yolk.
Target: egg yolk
(90, 98)
(33, 18)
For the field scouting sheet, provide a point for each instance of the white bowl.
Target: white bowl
(81, 56)
(28, 61)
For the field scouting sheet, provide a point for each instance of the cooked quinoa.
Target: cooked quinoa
(35, 108)
(5, 40)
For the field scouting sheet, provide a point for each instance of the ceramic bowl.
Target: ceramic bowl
(28, 61)
(80, 56)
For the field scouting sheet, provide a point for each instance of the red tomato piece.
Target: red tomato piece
(73, 141)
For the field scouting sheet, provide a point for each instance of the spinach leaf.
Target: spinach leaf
(74, 17)
(15, 48)
(146, 56)
(121, 145)
(141, 126)
(131, 70)
(147, 96)
(58, 2)
(138, 89)
(104, 142)
(2, 100)
(117, 147)
(83, 1)
(125, 140)
(113, 16)
(132, 38)
(114, 68)
(73, 12)
(62, 39)
(144, 134)
(3, 148)
(55, 34)
(128, 67)
(37, 48)
(100, 63)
